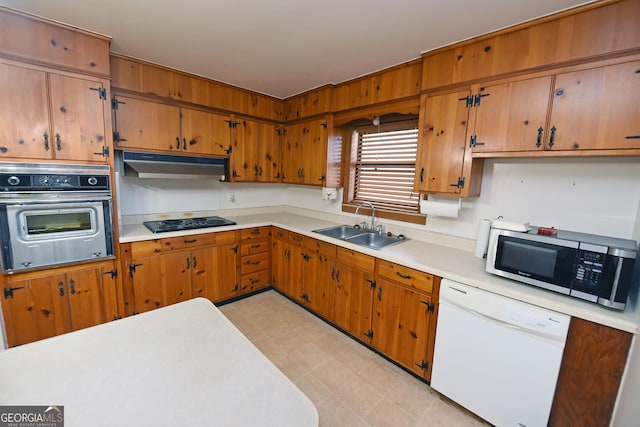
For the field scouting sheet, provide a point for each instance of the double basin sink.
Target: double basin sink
(359, 236)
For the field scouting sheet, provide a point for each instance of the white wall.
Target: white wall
(594, 195)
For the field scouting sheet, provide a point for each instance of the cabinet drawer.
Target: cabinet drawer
(255, 262)
(297, 239)
(279, 233)
(253, 281)
(321, 248)
(193, 240)
(355, 259)
(254, 233)
(256, 247)
(145, 248)
(406, 276)
(225, 237)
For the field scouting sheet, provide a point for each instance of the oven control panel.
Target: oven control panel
(21, 182)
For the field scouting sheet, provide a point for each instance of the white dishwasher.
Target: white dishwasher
(496, 356)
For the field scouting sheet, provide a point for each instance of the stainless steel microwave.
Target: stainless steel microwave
(586, 266)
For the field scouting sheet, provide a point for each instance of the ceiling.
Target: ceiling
(285, 47)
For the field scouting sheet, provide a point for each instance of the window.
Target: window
(382, 167)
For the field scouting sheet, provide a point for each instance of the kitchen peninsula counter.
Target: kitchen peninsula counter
(435, 258)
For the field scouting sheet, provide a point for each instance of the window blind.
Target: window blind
(385, 168)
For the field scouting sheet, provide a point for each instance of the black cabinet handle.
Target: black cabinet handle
(61, 288)
(58, 143)
(190, 241)
(194, 262)
(421, 174)
(255, 232)
(177, 142)
(255, 246)
(403, 276)
(253, 262)
(539, 141)
(552, 136)
(46, 142)
(72, 285)
(188, 262)
(380, 293)
(184, 143)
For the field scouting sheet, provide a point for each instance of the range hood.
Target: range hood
(153, 165)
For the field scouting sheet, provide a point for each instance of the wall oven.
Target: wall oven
(53, 215)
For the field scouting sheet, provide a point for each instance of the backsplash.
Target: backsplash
(594, 195)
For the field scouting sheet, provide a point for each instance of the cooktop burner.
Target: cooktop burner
(186, 223)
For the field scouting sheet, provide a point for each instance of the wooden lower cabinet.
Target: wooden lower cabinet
(354, 299)
(161, 272)
(46, 303)
(593, 362)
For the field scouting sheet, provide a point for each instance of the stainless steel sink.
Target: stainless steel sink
(340, 232)
(360, 237)
(374, 240)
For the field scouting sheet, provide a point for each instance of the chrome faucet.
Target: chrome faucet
(373, 213)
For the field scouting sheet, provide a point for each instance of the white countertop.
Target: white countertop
(444, 261)
(181, 365)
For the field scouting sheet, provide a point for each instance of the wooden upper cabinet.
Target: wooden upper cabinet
(77, 115)
(146, 125)
(149, 125)
(255, 156)
(443, 161)
(304, 152)
(24, 113)
(511, 116)
(597, 109)
(50, 116)
(205, 133)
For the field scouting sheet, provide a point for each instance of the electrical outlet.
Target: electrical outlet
(232, 198)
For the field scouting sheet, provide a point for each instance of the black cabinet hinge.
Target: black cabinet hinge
(132, 269)
(229, 150)
(8, 292)
(117, 137)
(235, 249)
(115, 103)
(369, 334)
(102, 92)
(113, 273)
(478, 97)
(324, 125)
(459, 184)
(468, 100)
(423, 365)
(103, 153)
(430, 305)
(372, 283)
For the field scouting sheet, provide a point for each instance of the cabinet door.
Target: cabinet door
(205, 133)
(147, 283)
(597, 109)
(280, 264)
(511, 116)
(441, 151)
(176, 276)
(77, 114)
(319, 284)
(314, 152)
(401, 325)
(85, 293)
(146, 125)
(296, 271)
(256, 152)
(24, 113)
(36, 308)
(353, 301)
(292, 152)
(214, 272)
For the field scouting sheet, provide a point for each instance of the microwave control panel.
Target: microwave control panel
(589, 268)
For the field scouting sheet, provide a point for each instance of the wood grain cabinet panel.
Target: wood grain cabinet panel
(592, 366)
(204, 133)
(597, 109)
(444, 164)
(256, 152)
(354, 301)
(46, 303)
(44, 115)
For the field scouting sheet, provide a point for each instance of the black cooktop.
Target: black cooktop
(186, 223)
